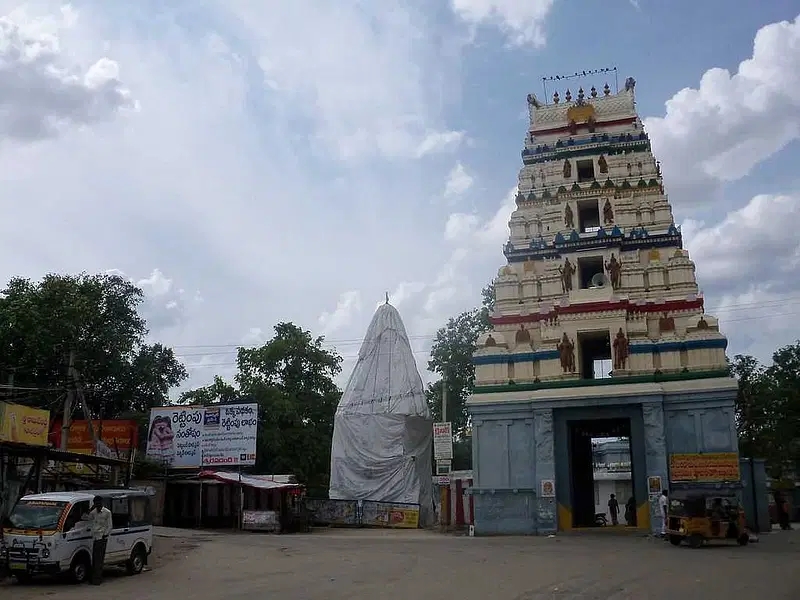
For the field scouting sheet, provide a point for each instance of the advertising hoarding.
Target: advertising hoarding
(711, 467)
(443, 441)
(23, 424)
(188, 437)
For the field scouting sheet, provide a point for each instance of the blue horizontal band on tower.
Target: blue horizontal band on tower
(669, 239)
(541, 154)
(678, 346)
(500, 359)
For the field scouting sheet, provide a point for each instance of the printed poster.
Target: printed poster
(188, 437)
(548, 488)
(23, 424)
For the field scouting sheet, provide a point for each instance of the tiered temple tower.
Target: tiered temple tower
(597, 307)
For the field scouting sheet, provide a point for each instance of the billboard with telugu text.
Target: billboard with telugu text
(23, 424)
(189, 437)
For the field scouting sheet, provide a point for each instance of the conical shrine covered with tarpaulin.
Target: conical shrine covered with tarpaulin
(382, 433)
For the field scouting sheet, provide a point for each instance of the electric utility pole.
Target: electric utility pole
(65, 422)
(444, 396)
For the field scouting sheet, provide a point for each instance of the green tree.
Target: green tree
(768, 408)
(452, 350)
(96, 317)
(291, 378)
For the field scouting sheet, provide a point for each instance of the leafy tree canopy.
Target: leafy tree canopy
(452, 351)
(96, 317)
(291, 378)
(768, 409)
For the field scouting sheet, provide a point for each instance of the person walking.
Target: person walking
(613, 509)
(630, 511)
(100, 525)
(663, 503)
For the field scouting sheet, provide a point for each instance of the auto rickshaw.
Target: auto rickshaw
(699, 516)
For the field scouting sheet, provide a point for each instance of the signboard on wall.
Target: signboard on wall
(23, 424)
(260, 520)
(118, 437)
(712, 467)
(443, 441)
(548, 488)
(188, 437)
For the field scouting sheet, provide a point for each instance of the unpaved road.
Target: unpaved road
(403, 565)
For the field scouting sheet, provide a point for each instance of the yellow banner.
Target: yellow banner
(23, 424)
(399, 517)
(712, 467)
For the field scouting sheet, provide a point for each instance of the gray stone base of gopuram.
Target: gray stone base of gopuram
(521, 450)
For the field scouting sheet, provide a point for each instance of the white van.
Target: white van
(45, 533)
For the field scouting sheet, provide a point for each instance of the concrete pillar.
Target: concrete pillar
(546, 521)
(655, 456)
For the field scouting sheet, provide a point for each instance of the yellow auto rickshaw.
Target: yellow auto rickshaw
(699, 516)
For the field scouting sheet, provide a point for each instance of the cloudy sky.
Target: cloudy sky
(252, 161)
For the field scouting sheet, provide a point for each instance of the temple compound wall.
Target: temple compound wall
(598, 320)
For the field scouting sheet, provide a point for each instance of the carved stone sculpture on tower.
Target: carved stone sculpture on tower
(567, 169)
(614, 268)
(621, 350)
(608, 213)
(569, 218)
(567, 271)
(601, 162)
(566, 352)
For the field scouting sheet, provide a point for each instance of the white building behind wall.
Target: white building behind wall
(612, 475)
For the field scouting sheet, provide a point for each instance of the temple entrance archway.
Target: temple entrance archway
(574, 429)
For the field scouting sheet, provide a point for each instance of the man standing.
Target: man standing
(613, 509)
(100, 524)
(663, 502)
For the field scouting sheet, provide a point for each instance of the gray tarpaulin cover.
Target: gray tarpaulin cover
(382, 431)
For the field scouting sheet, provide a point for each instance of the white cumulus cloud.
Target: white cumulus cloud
(458, 181)
(522, 20)
(720, 130)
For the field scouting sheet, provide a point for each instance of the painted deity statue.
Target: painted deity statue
(569, 217)
(614, 268)
(621, 350)
(608, 213)
(566, 352)
(567, 271)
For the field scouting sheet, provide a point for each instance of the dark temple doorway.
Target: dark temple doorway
(582, 463)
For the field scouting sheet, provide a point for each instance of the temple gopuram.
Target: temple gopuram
(599, 330)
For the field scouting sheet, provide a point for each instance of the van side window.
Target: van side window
(139, 511)
(119, 513)
(75, 513)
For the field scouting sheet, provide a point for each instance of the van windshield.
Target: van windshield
(37, 514)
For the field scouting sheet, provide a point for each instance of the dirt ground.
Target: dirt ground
(395, 565)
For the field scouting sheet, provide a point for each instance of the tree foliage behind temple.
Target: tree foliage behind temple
(291, 378)
(96, 317)
(452, 351)
(768, 409)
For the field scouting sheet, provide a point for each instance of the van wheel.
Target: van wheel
(695, 540)
(79, 570)
(135, 564)
(23, 578)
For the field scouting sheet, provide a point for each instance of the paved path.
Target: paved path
(399, 565)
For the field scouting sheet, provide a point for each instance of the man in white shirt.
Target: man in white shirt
(663, 501)
(100, 525)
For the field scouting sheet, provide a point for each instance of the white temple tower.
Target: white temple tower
(598, 326)
(382, 435)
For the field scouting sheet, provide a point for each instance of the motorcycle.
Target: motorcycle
(600, 519)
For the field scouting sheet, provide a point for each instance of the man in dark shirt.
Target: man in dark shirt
(613, 509)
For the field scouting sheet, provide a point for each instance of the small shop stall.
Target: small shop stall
(231, 500)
